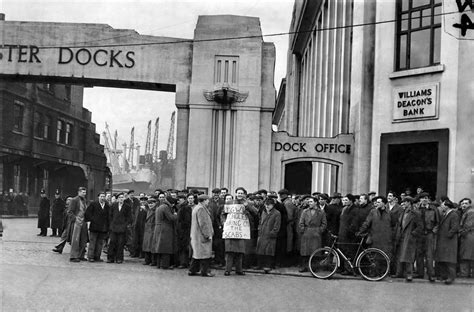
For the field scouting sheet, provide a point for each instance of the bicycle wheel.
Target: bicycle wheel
(373, 264)
(323, 262)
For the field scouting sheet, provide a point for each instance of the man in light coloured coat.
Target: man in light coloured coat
(466, 236)
(201, 238)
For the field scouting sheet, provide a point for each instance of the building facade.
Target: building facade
(391, 75)
(47, 141)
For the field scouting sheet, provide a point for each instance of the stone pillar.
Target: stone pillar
(362, 87)
(181, 146)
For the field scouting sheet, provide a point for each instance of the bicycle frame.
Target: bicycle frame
(341, 254)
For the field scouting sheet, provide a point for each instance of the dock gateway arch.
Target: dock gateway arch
(224, 88)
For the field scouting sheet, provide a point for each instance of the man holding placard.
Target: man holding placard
(236, 230)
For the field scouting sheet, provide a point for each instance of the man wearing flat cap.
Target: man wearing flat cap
(201, 238)
(216, 204)
(348, 227)
(409, 228)
(425, 246)
(291, 221)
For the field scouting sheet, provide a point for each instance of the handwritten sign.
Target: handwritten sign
(237, 223)
(458, 18)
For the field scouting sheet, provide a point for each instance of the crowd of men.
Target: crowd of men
(179, 229)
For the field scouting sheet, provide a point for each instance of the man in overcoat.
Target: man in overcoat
(139, 227)
(291, 222)
(311, 225)
(268, 228)
(395, 210)
(147, 246)
(349, 225)
(57, 214)
(43, 214)
(79, 236)
(201, 238)
(446, 254)
(97, 213)
(120, 219)
(408, 230)
(378, 226)
(164, 236)
(466, 236)
(429, 215)
(68, 226)
(183, 226)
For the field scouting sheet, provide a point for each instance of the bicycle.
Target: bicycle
(372, 263)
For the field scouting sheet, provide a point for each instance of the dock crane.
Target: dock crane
(154, 149)
(131, 147)
(148, 155)
(113, 158)
(170, 146)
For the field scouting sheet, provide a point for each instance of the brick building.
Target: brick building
(47, 141)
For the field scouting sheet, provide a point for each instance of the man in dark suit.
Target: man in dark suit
(43, 214)
(333, 214)
(98, 215)
(120, 219)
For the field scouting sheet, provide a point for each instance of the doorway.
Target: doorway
(412, 165)
(298, 177)
(414, 158)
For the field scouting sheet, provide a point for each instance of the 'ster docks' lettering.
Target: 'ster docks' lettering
(237, 223)
(415, 103)
(83, 56)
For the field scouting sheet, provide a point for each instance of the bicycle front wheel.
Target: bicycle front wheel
(323, 262)
(373, 264)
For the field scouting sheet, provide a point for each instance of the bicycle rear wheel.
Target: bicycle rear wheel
(373, 264)
(323, 262)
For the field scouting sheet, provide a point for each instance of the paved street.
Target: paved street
(35, 278)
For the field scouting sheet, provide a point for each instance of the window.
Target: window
(18, 114)
(68, 135)
(47, 128)
(60, 132)
(67, 96)
(38, 125)
(49, 87)
(418, 33)
(226, 71)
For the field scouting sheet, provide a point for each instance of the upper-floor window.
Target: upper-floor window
(38, 125)
(226, 70)
(68, 134)
(47, 127)
(49, 87)
(418, 33)
(60, 131)
(67, 95)
(18, 116)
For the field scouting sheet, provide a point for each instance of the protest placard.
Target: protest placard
(237, 223)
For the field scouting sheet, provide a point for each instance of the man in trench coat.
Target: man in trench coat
(147, 245)
(312, 225)
(447, 242)
(79, 236)
(408, 230)
(57, 214)
(268, 228)
(201, 238)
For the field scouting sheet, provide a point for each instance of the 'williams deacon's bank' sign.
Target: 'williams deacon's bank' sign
(415, 103)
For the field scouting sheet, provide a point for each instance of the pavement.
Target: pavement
(33, 278)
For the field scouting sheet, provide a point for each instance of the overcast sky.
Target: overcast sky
(150, 17)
